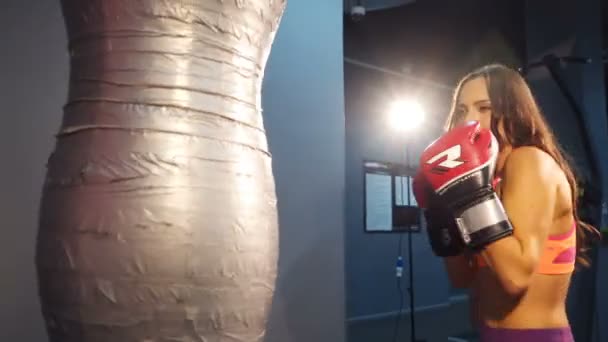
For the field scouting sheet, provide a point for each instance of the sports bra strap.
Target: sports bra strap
(558, 257)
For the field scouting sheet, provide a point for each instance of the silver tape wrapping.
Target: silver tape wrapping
(158, 220)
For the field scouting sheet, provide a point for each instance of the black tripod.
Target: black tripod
(409, 226)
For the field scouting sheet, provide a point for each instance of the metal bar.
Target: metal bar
(552, 65)
(410, 258)
(398, 74)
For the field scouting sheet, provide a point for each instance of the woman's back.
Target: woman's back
(543, 303)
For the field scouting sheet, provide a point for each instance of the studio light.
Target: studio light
(406, 115)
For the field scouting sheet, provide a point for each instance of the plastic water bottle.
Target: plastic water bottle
(399, 268)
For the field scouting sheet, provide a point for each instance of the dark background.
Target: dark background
(323, 117)
(419, 50)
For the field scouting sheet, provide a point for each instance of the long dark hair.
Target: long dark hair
(524, 125)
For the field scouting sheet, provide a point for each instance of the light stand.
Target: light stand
(410, 259)
(405, 117)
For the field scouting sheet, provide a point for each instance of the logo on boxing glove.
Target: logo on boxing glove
(452, 160)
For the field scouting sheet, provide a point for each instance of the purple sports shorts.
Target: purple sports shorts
(489, 334)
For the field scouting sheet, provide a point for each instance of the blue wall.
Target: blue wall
(431, 41)
(303, 100)
(422, 36)
(370, 258)
(304, 118)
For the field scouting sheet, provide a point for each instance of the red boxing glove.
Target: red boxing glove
(421, 188)
(441, 228)
(459, 168)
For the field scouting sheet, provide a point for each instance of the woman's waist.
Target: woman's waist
(532, 310)
(545, 297)
(525, 320)
(523, 317)
(524, 334)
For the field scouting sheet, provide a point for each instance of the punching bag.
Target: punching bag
(158, 219)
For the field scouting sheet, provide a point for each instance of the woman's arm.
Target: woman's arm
(460, 270)
(528, 196)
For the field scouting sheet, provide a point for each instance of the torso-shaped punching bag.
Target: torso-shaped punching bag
(158, 221)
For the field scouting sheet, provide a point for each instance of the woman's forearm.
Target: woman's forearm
(460, 271)
(511, 262)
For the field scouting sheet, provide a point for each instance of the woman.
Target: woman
(519, 284)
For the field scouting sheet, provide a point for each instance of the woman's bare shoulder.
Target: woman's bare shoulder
(531, 159)
(537, 171)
